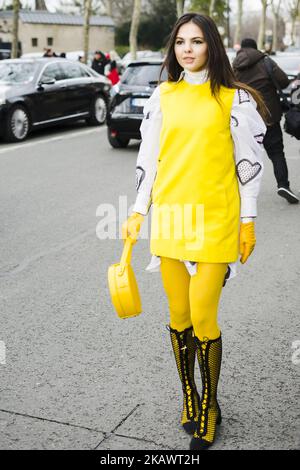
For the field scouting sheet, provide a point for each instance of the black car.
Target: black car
(290, 64)
(36, 93)
(295, 92)
(126, 108)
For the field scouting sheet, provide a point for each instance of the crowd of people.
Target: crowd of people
(51, 53)
(104, 65)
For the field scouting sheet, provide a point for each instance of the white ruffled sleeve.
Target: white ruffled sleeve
(146, 165)
(248, 130)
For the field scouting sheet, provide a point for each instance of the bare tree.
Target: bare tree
(15, 38)
(78, 6)
(293, 7)
(212, 6)
(40, 5)
(262, 27)
(276, 12)
(180, 7)
(134, 28)
(238, 31)
(119, 10)
(86, 28)
(109, 7)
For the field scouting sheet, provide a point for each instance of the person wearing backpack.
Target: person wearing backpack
(250, 68)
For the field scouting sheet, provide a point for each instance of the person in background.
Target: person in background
(99, 62)
(249, 68)
(49, 53)
(268, 49)
(113, 74)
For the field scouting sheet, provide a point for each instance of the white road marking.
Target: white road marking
(21, 146)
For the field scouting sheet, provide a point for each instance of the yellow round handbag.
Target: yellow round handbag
(122, 284)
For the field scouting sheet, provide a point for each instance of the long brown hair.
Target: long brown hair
(219, 69)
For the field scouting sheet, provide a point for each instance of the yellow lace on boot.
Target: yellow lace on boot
(209, 353)
(184, 349)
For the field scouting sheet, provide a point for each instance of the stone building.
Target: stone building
(60, 32)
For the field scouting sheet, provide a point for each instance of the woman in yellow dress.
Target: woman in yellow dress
(200, 167)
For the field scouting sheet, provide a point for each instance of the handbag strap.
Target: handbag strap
(126, 255)
(269, 69)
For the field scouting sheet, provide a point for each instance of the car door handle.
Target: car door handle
(63, 86)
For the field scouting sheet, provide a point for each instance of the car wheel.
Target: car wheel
(117, 142)
(98, 112)
(17, 124)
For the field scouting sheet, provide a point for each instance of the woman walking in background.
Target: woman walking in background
(113, 74)
(201, 154)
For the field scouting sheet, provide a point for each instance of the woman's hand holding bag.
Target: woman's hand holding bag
(247, 240)
(123, 287)
(132, 226)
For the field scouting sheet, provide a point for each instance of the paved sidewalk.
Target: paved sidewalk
(78, 377)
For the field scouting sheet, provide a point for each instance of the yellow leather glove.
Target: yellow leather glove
(247, 240)
(131, 226)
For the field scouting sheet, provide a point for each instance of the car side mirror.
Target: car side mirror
(47, 81)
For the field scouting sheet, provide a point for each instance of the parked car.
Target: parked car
(74, 55)
(4, 54)
(231, 53)
(125, 113)
(41, 92)
(140, 55)
(33, 55)
(289, 62)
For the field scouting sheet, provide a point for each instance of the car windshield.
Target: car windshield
(142, 75)
(288, 63)
(15, 73)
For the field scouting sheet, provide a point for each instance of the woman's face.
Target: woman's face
(190, 47)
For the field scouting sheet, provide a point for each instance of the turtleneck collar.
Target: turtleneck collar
(195, 78)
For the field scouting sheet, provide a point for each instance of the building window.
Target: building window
(49, 41)
(34, 42)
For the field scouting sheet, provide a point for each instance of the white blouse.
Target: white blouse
(247, 131)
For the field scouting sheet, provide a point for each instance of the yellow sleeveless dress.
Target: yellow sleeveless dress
(195, 196)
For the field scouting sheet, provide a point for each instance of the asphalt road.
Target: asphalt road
(75, 376)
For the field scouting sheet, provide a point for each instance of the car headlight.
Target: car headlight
(123, 107)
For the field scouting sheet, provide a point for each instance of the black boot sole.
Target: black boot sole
(201, 444)
(286, 194)
(190, 427)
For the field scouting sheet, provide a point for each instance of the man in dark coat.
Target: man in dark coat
(249, 68)
(99, 62)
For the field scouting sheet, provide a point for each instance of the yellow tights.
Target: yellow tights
(193, 300)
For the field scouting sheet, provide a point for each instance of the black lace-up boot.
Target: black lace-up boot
(209, 353)
(184, 348)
